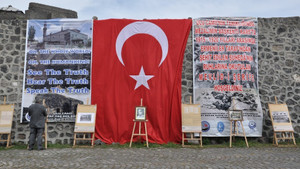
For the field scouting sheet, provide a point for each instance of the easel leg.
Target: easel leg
(182, 144)
(275, 136)
(146, 135)
(200, 139)
(132, 134)
(140, 138)
(74, 141)
(244, 134)
(8, 140)
(230, 140)
(93, 139)
(293, 138)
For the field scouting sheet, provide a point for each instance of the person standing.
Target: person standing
(37, 113)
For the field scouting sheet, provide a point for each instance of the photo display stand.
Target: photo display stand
(6, 118)
(191, 122)
(140, 117)
(235, 116)
(85, 123)
(281, 122)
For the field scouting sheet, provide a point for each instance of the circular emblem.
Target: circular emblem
(252, 124)
(205, 126)
(27, 117)
(220, 126)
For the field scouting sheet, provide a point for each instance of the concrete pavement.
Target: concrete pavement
(86, 158)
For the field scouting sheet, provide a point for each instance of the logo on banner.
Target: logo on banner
(252, 125)
(220, 127)
(205, 126)
(148, 28)
(27, 117)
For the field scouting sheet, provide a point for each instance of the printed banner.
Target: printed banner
(57, 67)
(225, 73)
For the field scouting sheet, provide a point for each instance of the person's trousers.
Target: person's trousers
(36, 133)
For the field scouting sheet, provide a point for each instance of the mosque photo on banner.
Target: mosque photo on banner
(57, 67)
(225, 72)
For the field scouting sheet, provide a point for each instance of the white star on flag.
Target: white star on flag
(141, 79)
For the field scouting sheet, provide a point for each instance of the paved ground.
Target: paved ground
(152, 158)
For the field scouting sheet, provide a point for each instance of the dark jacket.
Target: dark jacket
(37, 113)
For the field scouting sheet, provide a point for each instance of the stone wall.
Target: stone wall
(279, 67)
(279, 73)
(40, 11)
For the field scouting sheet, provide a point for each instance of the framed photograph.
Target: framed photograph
(140, 113)
(85, 117)
(235, 115)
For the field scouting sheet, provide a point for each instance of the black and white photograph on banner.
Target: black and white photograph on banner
(58, 66)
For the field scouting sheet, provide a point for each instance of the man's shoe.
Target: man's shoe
(41, 149)
(30, 149)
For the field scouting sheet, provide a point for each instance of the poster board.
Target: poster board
(191, 118)
(6, 118)
(191, 123)
(85, 118)
(225, 65)
(57, 67)
(280, 118)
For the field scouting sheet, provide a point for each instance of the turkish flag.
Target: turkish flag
(134, 59)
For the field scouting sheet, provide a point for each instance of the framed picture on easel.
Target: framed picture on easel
(235, 115)
(140, 113)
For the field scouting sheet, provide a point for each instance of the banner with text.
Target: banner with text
(225, 73)
(57, 67)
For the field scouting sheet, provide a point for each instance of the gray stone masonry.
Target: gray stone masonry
(40, 11)
(279, 74)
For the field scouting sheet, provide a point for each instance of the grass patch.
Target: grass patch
(239, 142)
(140, 145)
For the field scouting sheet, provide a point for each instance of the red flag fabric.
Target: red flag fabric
(134, 59)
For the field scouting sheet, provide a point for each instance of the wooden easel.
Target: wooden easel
(235, 131)
(140, 129)
(191, 133)
(5, 127)
(283, 130)
(85, 128)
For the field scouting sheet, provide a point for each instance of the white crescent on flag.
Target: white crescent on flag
(142, 27)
